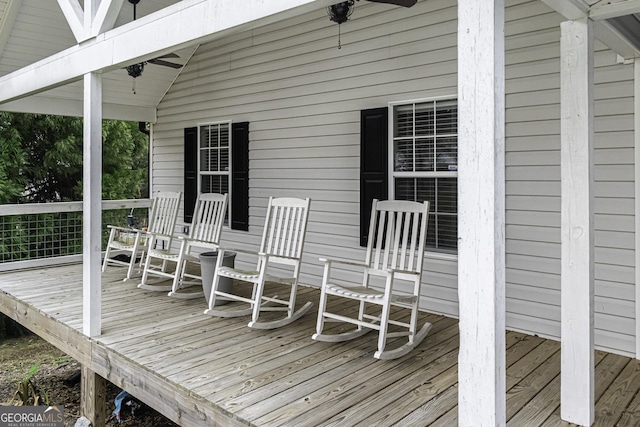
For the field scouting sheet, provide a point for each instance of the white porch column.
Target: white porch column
(481, 193)
(577, 361)
(92, 201)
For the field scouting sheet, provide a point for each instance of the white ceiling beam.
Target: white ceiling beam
(606, 9)
(74, 15)
(40, 104)
(106, 16)
(6, 25)
(90, 9)
(183, 24)
(570, 9)
(608, 35)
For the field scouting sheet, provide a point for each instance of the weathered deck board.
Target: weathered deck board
(201, 370)
(357, 387)
(618, 396)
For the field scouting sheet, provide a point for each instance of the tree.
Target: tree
(12, 161)
(46, 165)
(41, 161)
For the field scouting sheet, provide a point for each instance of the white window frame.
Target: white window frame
(229, 123)
(446, 254)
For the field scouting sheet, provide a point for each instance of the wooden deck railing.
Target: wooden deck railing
(38, 234)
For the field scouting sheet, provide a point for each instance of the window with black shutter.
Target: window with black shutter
(373, 164)
(217, 161)
(240, 177)
(190, 172)
(425, 164)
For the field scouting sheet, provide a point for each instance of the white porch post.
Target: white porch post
(92, 201)
(577, 361)
(481, 193)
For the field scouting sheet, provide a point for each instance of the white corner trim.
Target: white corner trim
(636, 136)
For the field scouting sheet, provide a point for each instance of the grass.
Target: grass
(18, 355)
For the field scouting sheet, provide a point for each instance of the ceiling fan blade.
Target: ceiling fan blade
(157, 61)
(169, 55)
(405, 3)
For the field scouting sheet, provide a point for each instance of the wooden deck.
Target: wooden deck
(198, 370)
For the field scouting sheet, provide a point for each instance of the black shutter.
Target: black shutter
(240, 176)
(373, 164)
(190, 172)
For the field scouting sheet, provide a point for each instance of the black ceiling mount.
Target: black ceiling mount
(340, 12)
(136, 70)
(134, 3)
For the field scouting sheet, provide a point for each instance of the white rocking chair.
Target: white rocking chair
(395, 252)
(204, 233)
(162, 218)
(282, 243)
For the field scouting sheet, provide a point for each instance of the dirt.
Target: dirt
(19, 356)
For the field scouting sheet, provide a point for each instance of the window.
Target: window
(424, 164)
(216, 160)
(214, 149)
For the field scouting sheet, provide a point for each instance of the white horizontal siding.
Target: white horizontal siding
(533, 192)
(303, 97)
(303, 102)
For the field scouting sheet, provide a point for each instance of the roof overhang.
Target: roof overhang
(617, 22)
(54, 84)
(181, 26)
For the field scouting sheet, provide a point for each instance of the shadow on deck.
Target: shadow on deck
(200, 370)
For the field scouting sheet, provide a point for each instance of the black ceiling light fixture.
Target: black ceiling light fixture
(135, 70)
(340, 12)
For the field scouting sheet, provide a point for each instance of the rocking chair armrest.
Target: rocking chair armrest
(127, 229)
(343, 261)
(156, 235)
(185, 238)
(244, 251)
(400, 271)
(267, 256)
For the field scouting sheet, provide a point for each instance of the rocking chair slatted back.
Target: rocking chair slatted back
(391, 245)
(164, 213)
(209, 218)
(285, 227)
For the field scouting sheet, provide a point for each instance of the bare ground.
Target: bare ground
(19, 355)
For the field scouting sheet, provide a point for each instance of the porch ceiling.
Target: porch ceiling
(34, 30)
(41, 64)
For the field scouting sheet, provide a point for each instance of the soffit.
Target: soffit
(40, 30)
